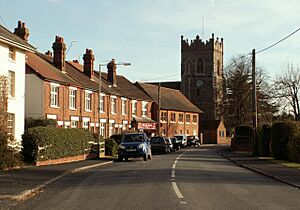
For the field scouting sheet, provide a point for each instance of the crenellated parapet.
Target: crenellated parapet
(198, 44)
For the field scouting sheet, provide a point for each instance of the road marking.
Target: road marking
(173, 179)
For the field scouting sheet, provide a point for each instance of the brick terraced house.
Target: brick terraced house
(177, 114)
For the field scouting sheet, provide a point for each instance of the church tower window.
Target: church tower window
(199, 69)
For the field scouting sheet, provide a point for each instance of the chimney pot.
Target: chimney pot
(59, 51)
(21, 31)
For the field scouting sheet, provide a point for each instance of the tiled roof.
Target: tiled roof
(11, 38)
(173, 85)
(210, 125)
(170, 99)
(40, 65)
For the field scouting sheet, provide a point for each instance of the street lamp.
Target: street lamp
(99, 101)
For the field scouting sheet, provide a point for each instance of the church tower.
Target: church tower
(202, 78)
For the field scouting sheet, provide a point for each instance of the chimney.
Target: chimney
(59, 51)
(49, 53)
(21, 31)
(88, 64)
(111, 72)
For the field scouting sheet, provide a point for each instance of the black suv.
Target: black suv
(159, 145)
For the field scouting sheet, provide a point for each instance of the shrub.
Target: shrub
(282, 133)
(32, 122)
(264, 140)
(111, 147)
(48, 143)
(8, 157)
(293, 147)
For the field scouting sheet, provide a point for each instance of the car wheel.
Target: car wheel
(145, 157)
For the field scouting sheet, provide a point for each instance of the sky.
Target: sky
(147, 33)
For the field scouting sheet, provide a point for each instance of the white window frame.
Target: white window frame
(72, 98)
(173, 120)
(54, 95)
(11, 53)
(144, 108)
(123, 106)
(113, 105)
(133, 107)
(102, 129)
(102, 100)
(74, 122)
(86, 123)
(195, 116)
(88, 100)
(180, 121)
(187, 119)
(10, 124)
(11, 83)
(163, 117)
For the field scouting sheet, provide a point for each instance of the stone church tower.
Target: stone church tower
(202, 79)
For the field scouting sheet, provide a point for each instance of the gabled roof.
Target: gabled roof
(170, 99)
(39, 64)
(12, 39)
(210, 125)
(173, 85)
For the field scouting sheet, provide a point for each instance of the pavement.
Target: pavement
(284, 174)
(20, 184)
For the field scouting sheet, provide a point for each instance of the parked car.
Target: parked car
(170, 145)
(182, 138)
(176, 143)
(159, 145)
(193, 141)
(134, 145)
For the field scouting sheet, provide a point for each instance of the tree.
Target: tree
(286, 89)
(238, 101)
(3, 103)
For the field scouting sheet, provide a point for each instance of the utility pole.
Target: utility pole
(254, 105)
(158, 111)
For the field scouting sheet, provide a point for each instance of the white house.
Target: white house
(12, 65)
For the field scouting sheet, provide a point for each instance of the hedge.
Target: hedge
(111, 147)
(48, 143)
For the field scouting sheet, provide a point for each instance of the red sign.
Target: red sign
(149, 126)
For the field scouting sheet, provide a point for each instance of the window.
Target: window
(111, 128)
(102, 97)
(85, 123)
(133, 108)
(144, 109)
(173, 117)
(74, 124)
(187, 118)
(180, 118)
(199, 69)
(221, 134)
(12, 54)
(72, 98)
(54, 95)
(11, 83)
(102, 129)
(195, 119)
(163, 116)
(124, 106)
(113, 103)
(10, 124)
(88, 101)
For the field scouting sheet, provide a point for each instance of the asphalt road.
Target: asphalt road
(187, 179)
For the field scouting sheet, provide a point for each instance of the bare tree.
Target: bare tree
(3, 103)
(286, 89)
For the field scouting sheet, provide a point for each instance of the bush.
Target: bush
(48, 143)
(293, 147)
(111, 147)
(282, 134)
(32, 122)
(264, 140)
(8, 157)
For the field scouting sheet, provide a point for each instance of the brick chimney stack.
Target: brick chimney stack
(21, 31)
(88, 65)
(112, 72)
(59, 51)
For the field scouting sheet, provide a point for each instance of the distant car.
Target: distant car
(193, 141)
(159, 145)
(182, 138)
(170, 145)
(176, 142)
(134, 145)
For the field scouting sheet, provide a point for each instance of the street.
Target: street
(192, 178)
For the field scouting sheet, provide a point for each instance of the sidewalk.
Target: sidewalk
(290, 176)
(19, 184)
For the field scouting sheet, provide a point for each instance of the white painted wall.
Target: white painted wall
(34, 94)
(16, 105)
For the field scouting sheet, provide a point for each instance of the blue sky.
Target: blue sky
(147, 32)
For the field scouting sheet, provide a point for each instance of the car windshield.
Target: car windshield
(179, 137)
(190, 137)
(157, 140)
(133, 137)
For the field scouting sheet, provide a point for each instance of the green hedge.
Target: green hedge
(33, 122)
(48, 143)
(283, 134)
(264, 140)
(111, 147)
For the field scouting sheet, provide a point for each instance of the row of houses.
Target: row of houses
(46, 85)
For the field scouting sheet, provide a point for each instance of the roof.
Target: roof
(143, 120)
(12, 39)
(39, 64)
(171, 99)
(173, 85)
(210, 125)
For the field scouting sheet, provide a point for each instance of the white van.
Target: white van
(182, 138)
